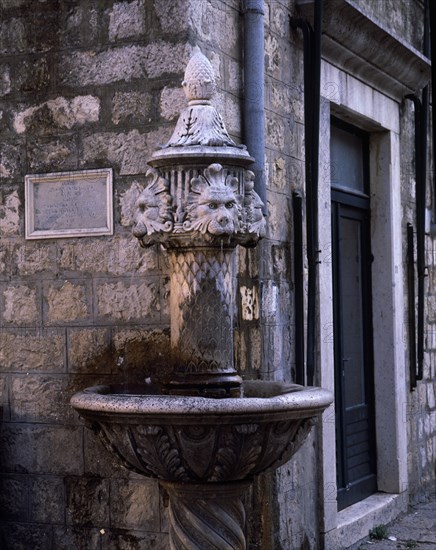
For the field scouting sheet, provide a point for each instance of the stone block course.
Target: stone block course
(67, 302)
(125, 63)
(32, 258)
(21, 305)
(66, 538)
(32, 76)
(117, 256)
(47, 500)
(127, 300)
(127, 152)
(27, 448)
(26, 350)
(57, 114)
(89, 350)
(24, 536)
(87, 501)
(40, 398)
(135, 504)
(14, 509)
(127, 20)
(132, 108)
(46, 154)
(10, 219)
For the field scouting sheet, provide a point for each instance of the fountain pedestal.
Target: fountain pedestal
(207, 516)
(203, 432)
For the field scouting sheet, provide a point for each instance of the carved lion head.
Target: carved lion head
(153, 207)
(213, 205)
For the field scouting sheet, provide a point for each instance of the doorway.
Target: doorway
(352, 314)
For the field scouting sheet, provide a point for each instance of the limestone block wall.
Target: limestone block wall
(82, 85)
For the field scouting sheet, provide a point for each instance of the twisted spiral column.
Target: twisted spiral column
(206, 517)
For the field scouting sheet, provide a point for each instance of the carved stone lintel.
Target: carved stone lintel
(206, 517)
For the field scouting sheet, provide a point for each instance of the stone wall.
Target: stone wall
(82, 85)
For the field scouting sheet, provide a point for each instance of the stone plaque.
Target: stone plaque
(69, 204)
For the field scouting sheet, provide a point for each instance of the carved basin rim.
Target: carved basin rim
(263, 402)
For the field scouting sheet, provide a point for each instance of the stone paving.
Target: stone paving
(416, 529)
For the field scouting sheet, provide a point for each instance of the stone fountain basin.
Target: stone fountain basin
(200, 439)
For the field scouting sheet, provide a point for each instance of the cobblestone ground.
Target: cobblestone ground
(416, 529)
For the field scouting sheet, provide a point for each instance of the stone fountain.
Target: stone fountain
(201, 430)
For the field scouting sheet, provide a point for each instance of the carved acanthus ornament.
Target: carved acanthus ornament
(200, 123)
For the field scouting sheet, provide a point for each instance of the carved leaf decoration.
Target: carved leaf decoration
(200, 125)
(238, 456)
(157, 454)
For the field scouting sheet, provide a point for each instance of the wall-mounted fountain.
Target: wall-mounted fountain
(201, 430)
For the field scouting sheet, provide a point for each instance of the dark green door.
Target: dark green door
(355, 436)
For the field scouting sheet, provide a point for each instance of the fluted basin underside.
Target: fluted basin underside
(198, 439)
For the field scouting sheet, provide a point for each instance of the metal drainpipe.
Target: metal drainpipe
(312, 78)
(254, 91)
(421, 127)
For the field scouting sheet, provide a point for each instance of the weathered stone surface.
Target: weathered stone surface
(172, 102)
(139, 351)
(136, 541)
(279, 218)
(30, 258)
(9, 213)
(20, 305)
(59, 113)
(31, 76)
(40, 398)
(98, 461)
(57, 154)
(14, 508)
(27, 448)
(131, 107)
(128, 152)
(47, 498)
(173, 16)
(209, 19)
(34, 35)
(28, 350)
(128, 301)
(87, 501)
(22, 537)
(66, 302)
(135, 504)
(127, 19)
(5, 79)
(81, 26)
(11, 159)
(122, 64)
(66, 538)
(117, 256)
(89, 350)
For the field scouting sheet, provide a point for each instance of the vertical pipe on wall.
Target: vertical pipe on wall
(312, 79)
(254, 91)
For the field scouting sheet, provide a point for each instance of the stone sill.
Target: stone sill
(364, 47)
(355, 521)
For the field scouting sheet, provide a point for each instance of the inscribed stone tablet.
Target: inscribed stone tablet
(69, 204)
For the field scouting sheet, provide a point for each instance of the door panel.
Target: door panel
(353, 351)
